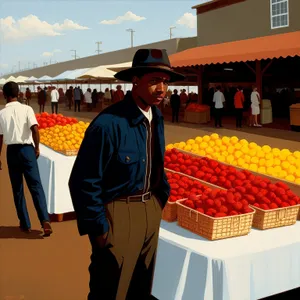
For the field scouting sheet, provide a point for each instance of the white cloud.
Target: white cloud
(188, 20)
(31, 27)
(47, 54)
(127, 17)
(3, 66)
(57, 51)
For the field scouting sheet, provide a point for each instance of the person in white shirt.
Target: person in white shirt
(18, 130)
(54, 100)
(218, 100)
(88, 99)
(255, 107)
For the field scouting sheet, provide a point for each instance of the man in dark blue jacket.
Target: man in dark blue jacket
(118, 184)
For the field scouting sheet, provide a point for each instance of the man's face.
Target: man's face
(152, 88)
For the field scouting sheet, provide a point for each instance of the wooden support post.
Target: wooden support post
(267, 67)
(200, 85)
(258, 77)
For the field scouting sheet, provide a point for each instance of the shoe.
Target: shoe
(47, 228)
(258, 125)
(26, 230)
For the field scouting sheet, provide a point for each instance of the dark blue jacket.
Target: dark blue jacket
(111, 163)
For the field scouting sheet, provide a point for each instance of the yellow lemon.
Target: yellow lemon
(285, 165)
(203, 145)
(231, 149)
(230, 159)
(225, 140)
(238, 154)
(195, 147)
(276, 162)
(254, 160)
(245, 149)
(277, 169)
(169, 147)
(244, 142)
(291, 159)
(190, 142)
(262, 170)
(234, 163)
(258, 148)
(290, 178)
(285, 152)
(269, 163)
(202, 152)
(223, 148)
(266, 149)
(247, 158)
(252, 152)
(209, 156)
(297, 163)
(214, 136)
(218, 142)
(245, 166)
(282, 174)
(188, 148)
(238, 146)
(269, 156)
(262, 162)
(222, 158)
(224, 153)
(206, 138)
(252, 145)
(297, 173)
(211, 143)
(234, 140)
(292, 169)
(177, 145)
(181, 145)
(209, 150)
(198, 139)
(276, 152)
(297, 154)
(270, 171)
(253, 167)
(260, 154)
(216, 149)
(297, 181)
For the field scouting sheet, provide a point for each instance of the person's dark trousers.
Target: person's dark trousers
(239, 117)
(123, 268)
(54, 106)
(77, 105)
(175, 114)
(89, 106)
(42, 108)
(21, 160)
(218, 117)
(70, 104)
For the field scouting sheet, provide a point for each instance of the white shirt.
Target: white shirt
(147, 114)
(218, 99)
(54, 95)
(255, 98)
(88, 97)
(16, 119)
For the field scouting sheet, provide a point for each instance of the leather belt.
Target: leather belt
(136, 198)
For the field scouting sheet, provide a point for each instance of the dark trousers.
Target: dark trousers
(239, 117)
(89, 106)
(77, 105)
(175, 114)
(218, 116)
(54, 107)
(42, 108)
(124, 267)
(21, 160)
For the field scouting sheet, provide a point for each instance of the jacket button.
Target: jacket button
(127, 158)
(144, 160)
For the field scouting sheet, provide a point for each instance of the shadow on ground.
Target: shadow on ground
(12, 232)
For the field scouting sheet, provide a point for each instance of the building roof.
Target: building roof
(268, 47)
(214, 4)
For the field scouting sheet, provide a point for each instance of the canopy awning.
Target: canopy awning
(119, 67)
(21, 79)
(11, 78)
(62, 76)
(2, 81)
(31, 79)
(45, 78)
(97, 73)
(268, 47)
(72, 75)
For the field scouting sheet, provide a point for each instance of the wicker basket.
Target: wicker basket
(170, 210)
(73, 152)
(266, 219)
(213, 228)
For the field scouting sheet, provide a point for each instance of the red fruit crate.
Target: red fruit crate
(278, 217)
(213, 228)
(169, 213)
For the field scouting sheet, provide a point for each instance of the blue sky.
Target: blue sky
(37, 31)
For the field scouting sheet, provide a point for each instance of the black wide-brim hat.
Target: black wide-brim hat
(147, 61)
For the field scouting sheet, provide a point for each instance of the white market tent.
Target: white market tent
(97, 73)
(2, 81)
(119, 67)
(21, 79)
(44, 78)
(10, 78)
(70, 75)
(31, 79)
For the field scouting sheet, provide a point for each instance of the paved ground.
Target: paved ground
(32, 268)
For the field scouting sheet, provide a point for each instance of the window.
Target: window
(279, 13)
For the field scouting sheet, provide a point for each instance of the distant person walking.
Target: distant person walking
(118, 95)
(19, 130)
(107, 96)
(218, 100)
(54, 100)
(239, 100)
(77, 99)
(175, 105)
(95, 98)
(70, 97)
(41, 99)
(255, 107)
(88, 99)
(28, 96)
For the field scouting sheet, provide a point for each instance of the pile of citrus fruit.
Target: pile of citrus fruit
(62, 138)
(279, 163)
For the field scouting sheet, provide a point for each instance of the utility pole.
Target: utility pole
(131, 35)
(98, 47)
(171, 28)
(75, 54)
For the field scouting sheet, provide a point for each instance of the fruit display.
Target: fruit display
(194, 107)
(46, 120)
(64, 138)
(254, 190)
(278, 163)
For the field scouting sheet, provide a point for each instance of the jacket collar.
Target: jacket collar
(12, 103)
(135, 116)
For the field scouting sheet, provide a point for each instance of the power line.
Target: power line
(131, 35)
(98, 47)
(75, 54)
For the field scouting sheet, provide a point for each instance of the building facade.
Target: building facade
(221, 21)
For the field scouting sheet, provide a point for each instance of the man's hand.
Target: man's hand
(101, 240)
(37, 152)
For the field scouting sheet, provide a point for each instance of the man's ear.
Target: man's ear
(135, 80)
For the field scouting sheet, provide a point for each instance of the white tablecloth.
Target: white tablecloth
(261, 264)
(55, 170)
